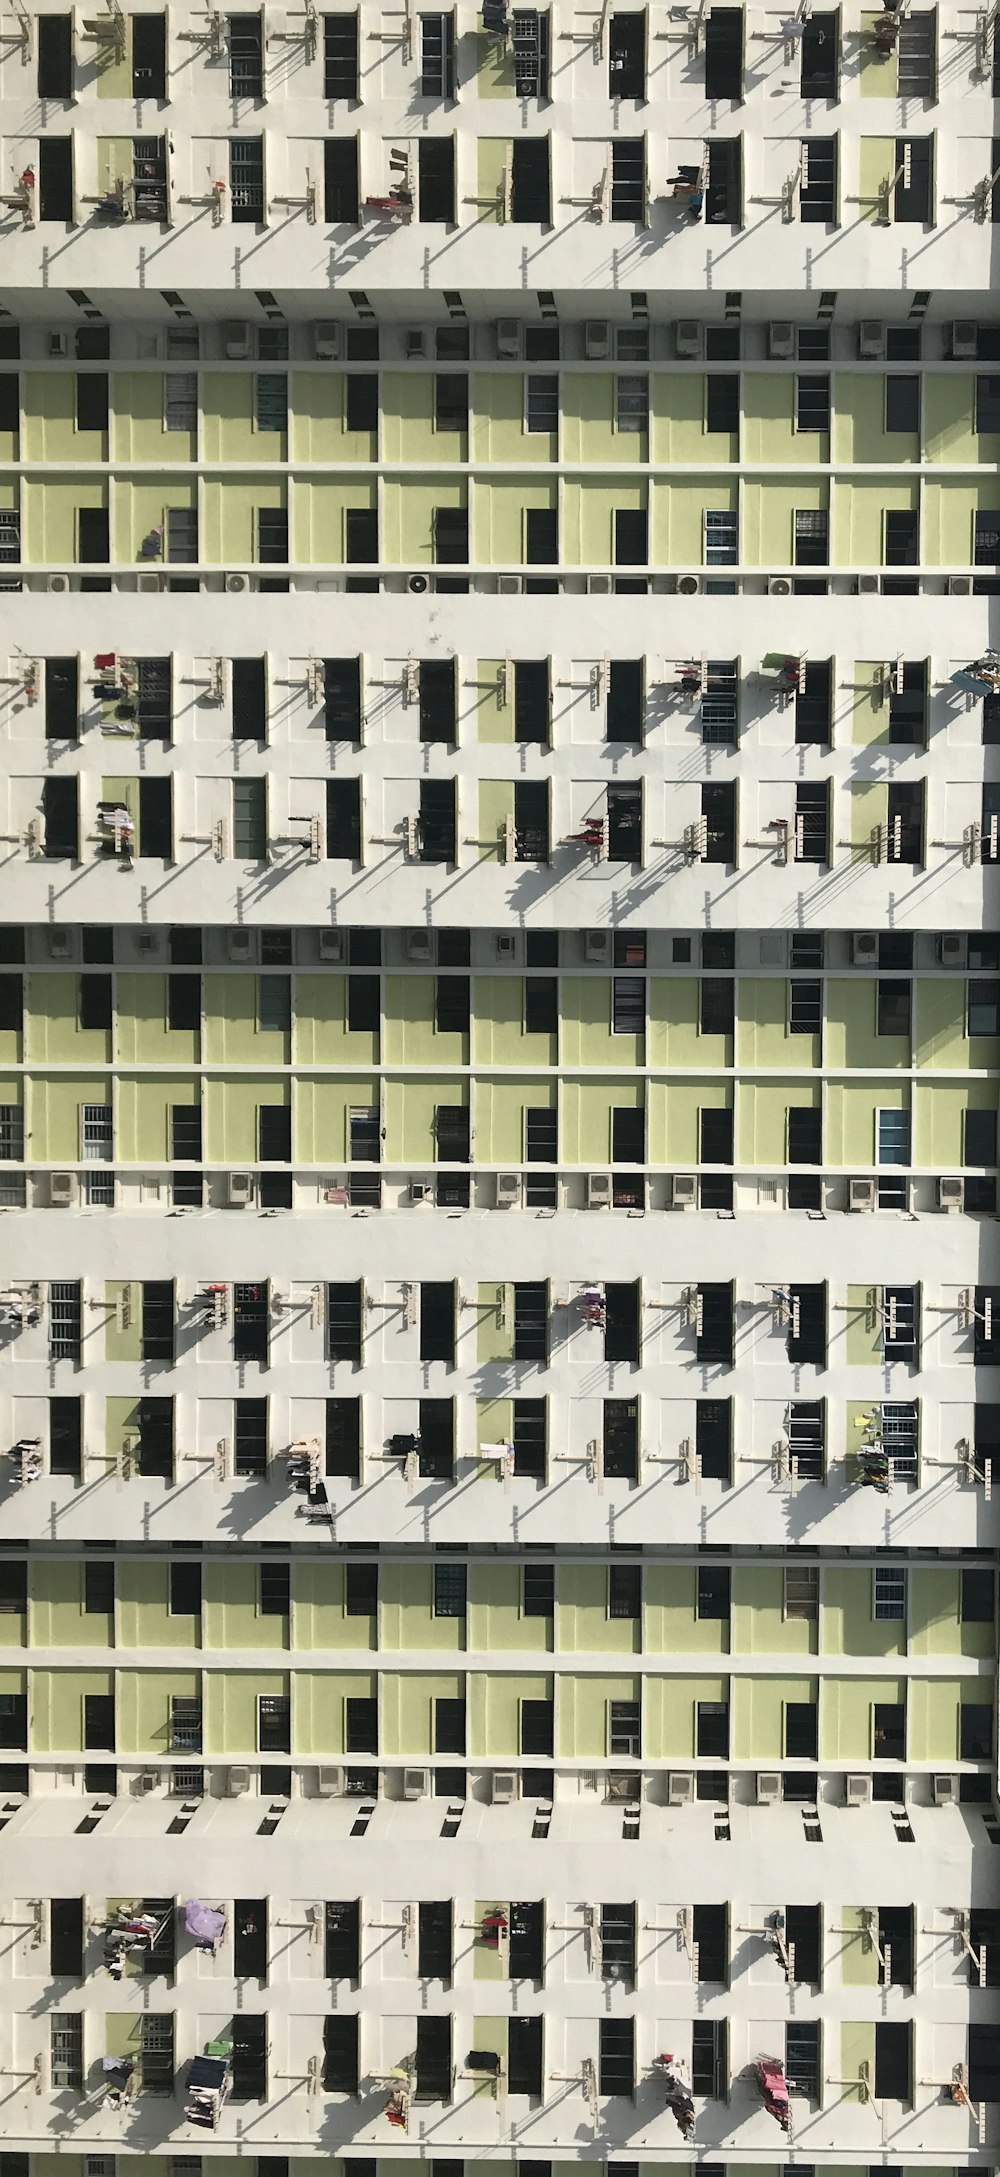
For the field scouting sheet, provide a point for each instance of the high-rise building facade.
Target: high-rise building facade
(499, 1069)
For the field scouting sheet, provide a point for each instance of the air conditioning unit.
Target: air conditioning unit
(236, 340)
(768, 1787)
(598, 585)
(779, 585)
(871, 340)
(689, 338)
(503, 1787)
(63, 1190)
(861, 1194)
(597, 947)
(239, 1189)
(235, 1782)
(149, 943)
(237, 584)
(684, 1190)
(864, 949)
(57, 344)
(57, 584)
(508, 1190)
(960, 585)
(421, 1190)
(417, 584)
(510, 339)
(598, 1190)
(689, 585)
(420, 945)
(416, 1783)
(597, 339)
(330, 1783)
(506, 945)
(331, 944)
(868, 585)
(509, 585)
(858, 1791)
(148, 583)
(952, 949)
(964, 339)
(680, 1787)
(60, 944)
(240, 944)
(781, 340)
(326, 340)
(945, 1791)
(951, 1193)
(148, 1781)
(415, 340)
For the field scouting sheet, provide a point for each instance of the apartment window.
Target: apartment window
(714, 1323)
(631, 537)
(541, 401)
(434, 2059)
(532, 701)
(719, 818)
(451, 1590)
(724, 190)
(342, 1943)
(437, 699)
(716, 1014)
(246, 180)
(92, 399)
(722, 401)
(625, 1591)
(250, 820)
(818, 55)
(437, 56)
(531, 1322)
(628, 1005)
(452, 1003)
(802, 2057)
(182, 536)
(344, 823)
(245, 46)
(724, 53)
(626, 701)
(712, 1730)
(61, 819)
(541, 548)
(436, 180)
(66, 2050)
(912, 199)
(709, 2063)
(812, 537)
(537, 1591)
(628, 178)
(624, 822)
(631, 403)
(65, 1320)
(812, 824)
(902, 403)
(342, 709)
(983, 1017)
(889, 1593)
(537, 1724)
(55, 177)
(54, 68)
(360, 1724)
(158, 1320)
(721, 538)
(719, 714)
(14, 1723)
(805, 1007)
(341, 2062)
(812, 401)
(99, 1723)
(892, 1007)
(624, 1729)
(451, 400)
(532, 841)
(902, 545)
(99, 1587)
(713, 1437)
(274, 1590)
(616, 2056)
(437, 1322)
(149, 56)
(530, 181)
(11, 1133)
(272, 536)
(908, 703)
(340, 56)
(274, 1723)
(62, 689)
(341, 183)
(449, 1726)
(978, 1595)
(271, 400)
(975, 1731)
(713, 1594)
(893, 2060)
(627, 55)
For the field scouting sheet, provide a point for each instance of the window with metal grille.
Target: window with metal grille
(807, 1327)
(721, 531)
(343, 1322)
(818, 188)
(806, 1430)
(250, 1323)
(532, 841)
(624, 822)
(246, 179)
(709, 2058)
(541, 401)
(65, 1319)
(801, 1593)
(10, 536)
(532, 45)
(716, 1005)
(274, 1723)
(157, 1329)
(618, 1935)
(616, 2056)
(899, 1427)
(905, 822)
(182, 536)
(245, 46)
(631, 403)
(628, 1005)
(11, 1134)
(802, 2057)
(272, 536)
(437, 56)
(719, 716)
(805, 1007)
(889, 1593)
(185, 1724)
(66, 2049)
(624, 1591)
(900, 1311)
(452, 1133)
(450, 1590)
(531, 1322)
(812, 537)
(625, 1729)
(340, 56)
